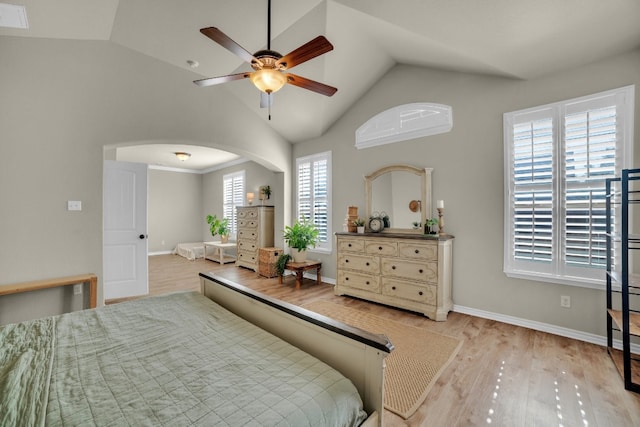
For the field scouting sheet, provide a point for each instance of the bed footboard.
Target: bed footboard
(357, 354)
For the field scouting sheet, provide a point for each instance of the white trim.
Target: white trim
(159, 253)
(543, 327)
(202, 171)
(404, 122)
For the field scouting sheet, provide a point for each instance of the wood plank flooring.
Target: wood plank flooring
(504, 375)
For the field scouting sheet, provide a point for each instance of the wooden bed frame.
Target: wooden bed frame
(357, 354)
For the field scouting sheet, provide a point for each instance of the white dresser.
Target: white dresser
(407, 271)
(255, 231)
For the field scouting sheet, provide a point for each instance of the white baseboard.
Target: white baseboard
(159, 253)
(543, 327)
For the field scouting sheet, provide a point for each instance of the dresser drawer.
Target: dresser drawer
(421, 271)
(358, 280)
(366, 264)
(247, 257)
(248, 246)
(421, 293)
(251, 213)
(247, 234)
(247, 223)
(351, 245)
(381, 247)
(418, 251)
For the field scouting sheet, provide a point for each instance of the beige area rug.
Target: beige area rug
(414, 365)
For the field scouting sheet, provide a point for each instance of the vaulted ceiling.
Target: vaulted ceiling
(520, 39)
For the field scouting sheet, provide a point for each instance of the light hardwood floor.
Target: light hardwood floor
(504, 375)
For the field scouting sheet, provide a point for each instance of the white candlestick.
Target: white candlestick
(440, 204)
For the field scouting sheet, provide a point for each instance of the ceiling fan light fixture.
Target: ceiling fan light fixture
(182, 156)
(268, 80)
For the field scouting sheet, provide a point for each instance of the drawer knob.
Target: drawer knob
(346, 260)
(346, 279)
(420, 271)
(393, 287)
(367, 282)
(417, 251)
(349, 244)
(420, 293)
(379, 248)
(367, 264)
(393, 267)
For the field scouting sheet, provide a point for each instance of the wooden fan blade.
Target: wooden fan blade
(222, 79)
(307, 51)
(225, 41)
(305, 83)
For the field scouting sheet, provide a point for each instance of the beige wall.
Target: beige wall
(468, 167)
(62, 102)
(174, 209)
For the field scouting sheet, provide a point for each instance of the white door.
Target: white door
(125, 261)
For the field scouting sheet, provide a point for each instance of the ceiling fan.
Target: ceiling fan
(269, 66)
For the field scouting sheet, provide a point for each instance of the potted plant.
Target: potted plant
(302, 235)
(265, 190)
(430, 226)
(359, 223)
(219, 226)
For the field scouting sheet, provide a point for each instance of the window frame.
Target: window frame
(323, 246)
(558, 271)
(237, 200)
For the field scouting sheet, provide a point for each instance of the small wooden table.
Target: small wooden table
(222, 257)
(300, 268)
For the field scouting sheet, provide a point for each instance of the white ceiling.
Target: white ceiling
(521, 39)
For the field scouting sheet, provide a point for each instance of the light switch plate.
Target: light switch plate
(74, 205)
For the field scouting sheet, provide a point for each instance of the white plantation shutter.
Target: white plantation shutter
(557, 158)
(314, 194)
(233, 196)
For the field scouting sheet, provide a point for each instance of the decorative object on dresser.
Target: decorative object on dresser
(440, 209)
(359, 223)
(255, 231)
(352, 215)
(406, 271)
(301, 236)
(264, 193)
(250, 197)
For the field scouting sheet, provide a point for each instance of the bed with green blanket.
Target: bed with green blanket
(178, 359)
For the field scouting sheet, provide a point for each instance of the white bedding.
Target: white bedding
(190, 251)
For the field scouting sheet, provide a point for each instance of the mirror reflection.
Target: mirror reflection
(398, 195)
(401, 192)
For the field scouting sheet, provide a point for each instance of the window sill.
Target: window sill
(598, 284)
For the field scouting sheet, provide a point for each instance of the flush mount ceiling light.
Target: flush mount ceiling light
(182, 156)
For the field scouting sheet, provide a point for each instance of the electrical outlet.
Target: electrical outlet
(565, 301)
(77, 289)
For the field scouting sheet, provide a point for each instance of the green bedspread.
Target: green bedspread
(173, 360)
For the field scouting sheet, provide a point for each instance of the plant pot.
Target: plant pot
(298, 255)
(361, 230)
(224, 239)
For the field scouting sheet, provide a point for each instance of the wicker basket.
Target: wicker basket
(267, 258)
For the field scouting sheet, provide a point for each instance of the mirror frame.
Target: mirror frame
(425, 192)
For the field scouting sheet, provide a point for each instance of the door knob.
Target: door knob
(142, 236)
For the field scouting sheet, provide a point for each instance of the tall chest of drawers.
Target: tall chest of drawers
(406, 271)
(255, 231)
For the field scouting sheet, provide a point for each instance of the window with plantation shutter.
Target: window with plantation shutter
(557, 158)
(313, 194)
(233, 196)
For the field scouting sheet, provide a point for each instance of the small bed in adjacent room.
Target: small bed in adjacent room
(190, 251)
(184, 359)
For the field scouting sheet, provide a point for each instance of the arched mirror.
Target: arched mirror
(401, 192)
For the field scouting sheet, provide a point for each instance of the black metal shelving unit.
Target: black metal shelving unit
(623, 288)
